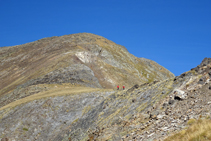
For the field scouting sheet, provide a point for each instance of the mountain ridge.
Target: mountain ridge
(64, 88)
(53, 53)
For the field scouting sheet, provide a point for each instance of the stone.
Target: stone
(180, 95)
(145, 116)
(207, 81)
(171, 102)
(164, 129)
(209, 73)
(196, 69)
(160, 116)
(151, 134)
(201, 81)
(154, 114)
(182, 75)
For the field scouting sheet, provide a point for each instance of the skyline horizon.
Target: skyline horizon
(175, 34)
(112, 41)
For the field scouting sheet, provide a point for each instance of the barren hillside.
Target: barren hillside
(64, 88)
(79, 59)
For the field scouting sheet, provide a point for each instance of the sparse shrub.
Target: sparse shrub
(187, 85)
(193, 71)
(191, 121)
(76, 120)
(25, 129)
(207, 117)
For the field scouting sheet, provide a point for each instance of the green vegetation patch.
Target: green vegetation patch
(191, 121)
(25, 129)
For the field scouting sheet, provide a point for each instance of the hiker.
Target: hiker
(118, 87)
(123, 87)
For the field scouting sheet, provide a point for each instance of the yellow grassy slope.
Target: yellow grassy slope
(199, 130)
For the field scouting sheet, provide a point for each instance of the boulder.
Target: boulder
(180, 95)
(153, 115)
(209, 73)
(202, 80)
(160, 116)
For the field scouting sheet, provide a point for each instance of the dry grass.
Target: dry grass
(52, 93)
(200, 130)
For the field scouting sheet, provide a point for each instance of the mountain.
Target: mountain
(64, 88)
(79, 59)
(149, 111)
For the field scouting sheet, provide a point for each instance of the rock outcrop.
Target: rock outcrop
(74, 74)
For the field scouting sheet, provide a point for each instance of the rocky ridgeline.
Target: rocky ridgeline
(189, 99)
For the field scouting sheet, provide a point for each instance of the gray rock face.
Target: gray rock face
(50, 118)
(75, 74)
(76, 116)
(21, 93)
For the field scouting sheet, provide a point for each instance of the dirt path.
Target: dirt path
(51, 93)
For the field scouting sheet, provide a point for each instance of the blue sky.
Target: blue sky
(174, 33)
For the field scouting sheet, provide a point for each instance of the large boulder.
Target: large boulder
(180, 95)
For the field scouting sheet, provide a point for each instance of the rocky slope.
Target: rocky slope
(57, 89)
(53, 90)
(79, 59)
(150, 111)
